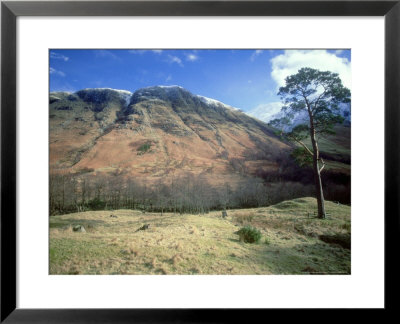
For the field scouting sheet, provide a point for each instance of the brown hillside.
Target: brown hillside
(161, 131)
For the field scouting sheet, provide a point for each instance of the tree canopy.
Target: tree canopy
(315, 94)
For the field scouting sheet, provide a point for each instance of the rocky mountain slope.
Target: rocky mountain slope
(154, 132)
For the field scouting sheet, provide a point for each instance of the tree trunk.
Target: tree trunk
(317, 174)
(319, 192)
(317, 178)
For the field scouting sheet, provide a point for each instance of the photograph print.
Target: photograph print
(199, 161)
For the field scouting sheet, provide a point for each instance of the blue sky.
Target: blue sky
(246, 79)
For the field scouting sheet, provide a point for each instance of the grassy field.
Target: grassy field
(293, 242)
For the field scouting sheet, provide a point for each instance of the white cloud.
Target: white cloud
(265, 112)
(291, 61)
(57, 56)
(106, 54)
(56, 72)
(255, 54)
(191, 57)
(169, 78)
(174, 59)
(144, 51)
(136, 51)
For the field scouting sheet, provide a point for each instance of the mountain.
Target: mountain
(157, 132)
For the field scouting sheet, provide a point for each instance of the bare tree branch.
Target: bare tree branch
(323, 165)
(304, 145)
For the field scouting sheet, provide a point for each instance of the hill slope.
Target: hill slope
(203, 244)
(157, 131)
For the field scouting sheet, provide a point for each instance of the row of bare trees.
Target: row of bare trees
(185, 194)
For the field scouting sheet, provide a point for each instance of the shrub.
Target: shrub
(249, 234)
(96, 204)
(144, 148)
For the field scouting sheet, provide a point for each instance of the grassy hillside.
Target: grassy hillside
(293, 242)
(336, 149)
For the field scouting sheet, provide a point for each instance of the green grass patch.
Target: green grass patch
(69, 252)
(144, 148)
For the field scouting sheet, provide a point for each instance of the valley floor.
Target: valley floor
(293, 242)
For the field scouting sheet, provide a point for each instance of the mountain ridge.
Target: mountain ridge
(126, 93)
(162, 129)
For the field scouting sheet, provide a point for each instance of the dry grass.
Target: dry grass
(242, 217)
(193, 244)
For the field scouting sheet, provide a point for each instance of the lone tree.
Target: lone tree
(314, 98)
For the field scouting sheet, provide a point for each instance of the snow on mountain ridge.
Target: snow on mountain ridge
(206, 100)
(168, 86)
(117, 90)
(127, 95)
(214, 102)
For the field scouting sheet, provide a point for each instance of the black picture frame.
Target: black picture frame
(10, 10)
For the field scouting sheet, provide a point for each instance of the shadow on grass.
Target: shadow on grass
(234, 240)
(344, 240)
(75, 221)
(307, 258)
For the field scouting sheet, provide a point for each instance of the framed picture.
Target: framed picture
(123, 154)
